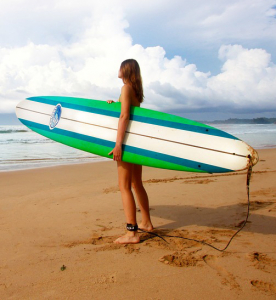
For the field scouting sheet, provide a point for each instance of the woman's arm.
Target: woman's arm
(123, 122)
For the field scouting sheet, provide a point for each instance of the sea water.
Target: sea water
(21, 148)
(258, 136)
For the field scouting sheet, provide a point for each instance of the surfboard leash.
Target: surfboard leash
(248, 177)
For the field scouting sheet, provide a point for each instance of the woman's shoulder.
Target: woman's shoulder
(127, 88)
(127, 91)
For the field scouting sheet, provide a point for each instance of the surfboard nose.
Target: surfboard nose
(17, 109)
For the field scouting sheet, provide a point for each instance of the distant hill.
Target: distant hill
(245, 121)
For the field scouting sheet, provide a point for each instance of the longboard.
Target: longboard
(153, 138)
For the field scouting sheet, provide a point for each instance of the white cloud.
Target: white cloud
(77, 50)
(248, 78)
(197, 25)
(247, 82)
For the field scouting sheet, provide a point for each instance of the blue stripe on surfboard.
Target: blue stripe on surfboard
(94, 110)
(134, 150)
(188, 127)
(148, 120)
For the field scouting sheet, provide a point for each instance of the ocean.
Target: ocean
(21, 148)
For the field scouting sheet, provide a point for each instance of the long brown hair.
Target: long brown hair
(131, 74)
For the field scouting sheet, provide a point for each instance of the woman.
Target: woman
(130, 175)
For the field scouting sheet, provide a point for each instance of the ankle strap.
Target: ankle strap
(132, 227)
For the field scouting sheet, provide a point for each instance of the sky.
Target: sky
(200, 59)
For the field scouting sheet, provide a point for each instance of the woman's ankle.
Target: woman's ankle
(146, 225)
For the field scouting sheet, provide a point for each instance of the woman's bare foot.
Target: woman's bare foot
(146, 226)
(131, 237)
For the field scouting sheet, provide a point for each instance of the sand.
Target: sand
(58, 225)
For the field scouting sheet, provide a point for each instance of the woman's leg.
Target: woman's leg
(124, 176)
(141, 196)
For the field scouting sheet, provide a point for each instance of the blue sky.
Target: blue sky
(200, 59)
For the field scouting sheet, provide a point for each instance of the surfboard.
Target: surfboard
(153, 138)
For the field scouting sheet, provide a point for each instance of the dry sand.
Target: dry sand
(58, 224)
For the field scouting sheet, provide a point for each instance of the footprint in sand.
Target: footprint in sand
(257, 205)
(180, 260)
(264, 192)
(264, 286)
(113, 189)
(262, 262)
(196, 181)
(105, 279)
(228, 278)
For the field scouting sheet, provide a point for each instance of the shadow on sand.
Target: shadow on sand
(222, 217)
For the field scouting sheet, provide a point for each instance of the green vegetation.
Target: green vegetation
(246, 121)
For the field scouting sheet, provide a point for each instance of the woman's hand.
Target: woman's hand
(110, 101)
(117, 153)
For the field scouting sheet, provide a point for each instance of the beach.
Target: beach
(58, 225)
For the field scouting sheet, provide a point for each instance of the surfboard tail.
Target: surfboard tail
(254, 156)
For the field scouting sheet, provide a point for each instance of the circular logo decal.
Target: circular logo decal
(55, 117)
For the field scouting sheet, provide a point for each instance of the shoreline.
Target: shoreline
(58, 225)
(97, 160)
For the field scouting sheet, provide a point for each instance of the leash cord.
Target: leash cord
(249, 173)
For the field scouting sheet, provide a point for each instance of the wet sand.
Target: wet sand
(58, 225)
